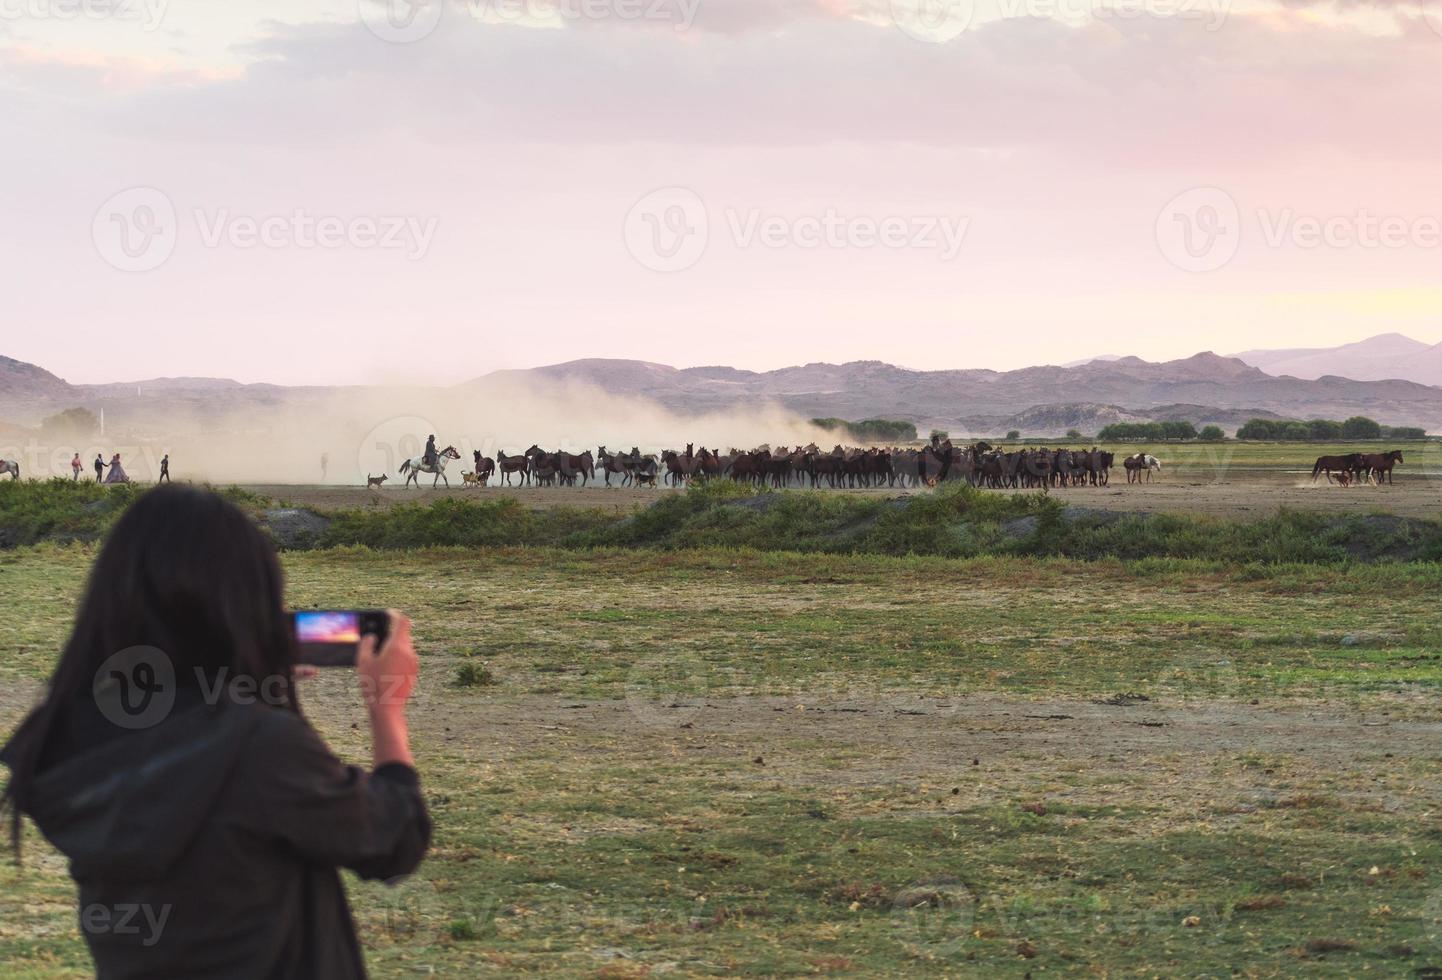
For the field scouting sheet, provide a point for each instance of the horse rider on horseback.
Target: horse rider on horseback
(429, 457)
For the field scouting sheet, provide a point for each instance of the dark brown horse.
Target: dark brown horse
(571, 466)
(1380, 465)
(613, 464)
(681, 468)
(513, 464)
(1327, 465)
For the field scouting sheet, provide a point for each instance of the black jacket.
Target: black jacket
(208, 845)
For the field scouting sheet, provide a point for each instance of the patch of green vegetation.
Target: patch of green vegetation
(888, 432)
(58, 510)
(957, 521)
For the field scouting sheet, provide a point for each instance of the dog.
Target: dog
(472, 478)
(375, 481)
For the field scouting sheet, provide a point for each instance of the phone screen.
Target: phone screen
(328, 627)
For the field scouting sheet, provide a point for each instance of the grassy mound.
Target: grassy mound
(957, 521)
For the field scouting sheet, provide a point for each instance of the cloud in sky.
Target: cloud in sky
(1055, 131)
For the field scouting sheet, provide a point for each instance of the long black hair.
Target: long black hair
(184, 572)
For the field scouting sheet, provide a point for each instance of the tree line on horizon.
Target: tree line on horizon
(1262, 430)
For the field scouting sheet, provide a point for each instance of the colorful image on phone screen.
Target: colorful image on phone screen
(327, 627)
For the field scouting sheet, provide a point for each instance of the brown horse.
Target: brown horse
(485, 467)
(1380, 465)
(679, 468)
(1327, 465)
(570, 466)
(613, 464)
(513, 464)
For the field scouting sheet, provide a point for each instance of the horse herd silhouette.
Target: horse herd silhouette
(979, 464)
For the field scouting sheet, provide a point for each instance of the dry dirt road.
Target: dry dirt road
(1239, 495)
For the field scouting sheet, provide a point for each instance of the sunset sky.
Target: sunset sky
(308, 191)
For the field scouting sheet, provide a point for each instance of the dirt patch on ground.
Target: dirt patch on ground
(920, 735)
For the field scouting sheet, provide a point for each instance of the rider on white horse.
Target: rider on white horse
(413, 468)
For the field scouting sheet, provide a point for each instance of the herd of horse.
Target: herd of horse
(1353, 468)
(979, 464)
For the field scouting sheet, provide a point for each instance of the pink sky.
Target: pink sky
(487, 187)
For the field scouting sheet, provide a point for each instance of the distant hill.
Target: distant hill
(1042, 401)
(1203, 388)
(21, 383)
(1385, 356)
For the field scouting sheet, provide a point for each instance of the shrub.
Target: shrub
(472, 673)
(59, 510)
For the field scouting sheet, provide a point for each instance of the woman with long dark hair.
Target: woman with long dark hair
(203, 817)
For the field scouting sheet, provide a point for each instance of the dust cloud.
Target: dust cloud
(259, 434)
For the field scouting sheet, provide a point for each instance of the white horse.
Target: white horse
(413, 468)
(1152, 464)
(10, 466)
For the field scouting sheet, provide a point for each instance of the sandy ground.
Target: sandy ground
(904, 738)
(914, 737)
(1239, 494)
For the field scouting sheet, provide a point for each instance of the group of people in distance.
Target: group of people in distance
(117, 472)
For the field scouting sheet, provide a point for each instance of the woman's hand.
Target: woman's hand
(386, 681)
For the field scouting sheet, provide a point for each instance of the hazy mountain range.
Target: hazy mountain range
(1388, 355)
(1045, 400)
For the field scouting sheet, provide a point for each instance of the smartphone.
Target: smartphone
(330, 637)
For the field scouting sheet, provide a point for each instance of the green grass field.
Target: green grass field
(718, 762)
